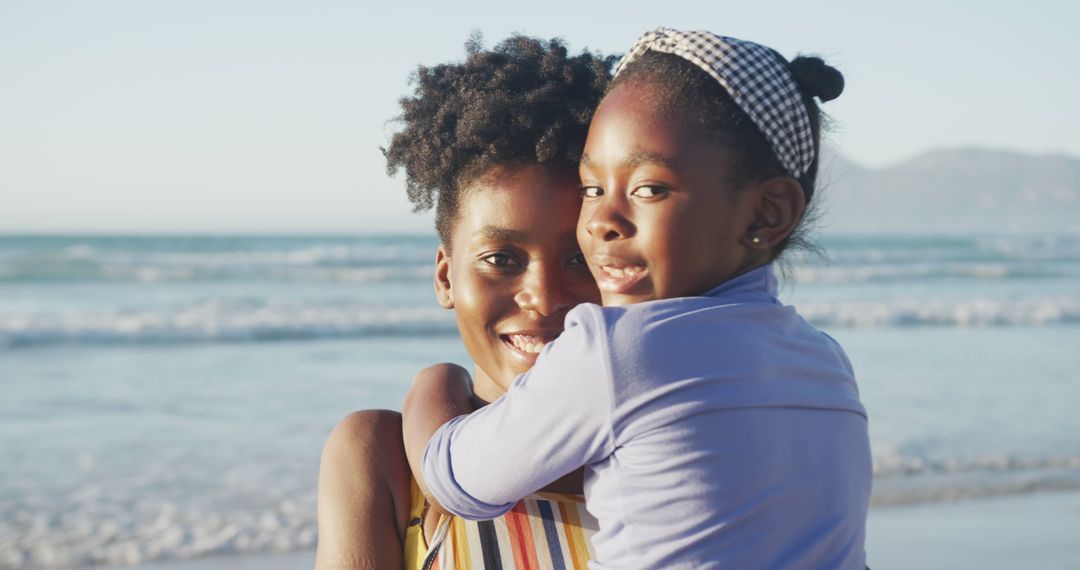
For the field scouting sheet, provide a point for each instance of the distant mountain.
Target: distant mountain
(954, 191)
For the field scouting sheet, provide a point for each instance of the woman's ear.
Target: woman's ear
(779, 208)
(443, 291)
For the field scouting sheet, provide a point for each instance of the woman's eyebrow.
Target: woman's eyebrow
(497, 233)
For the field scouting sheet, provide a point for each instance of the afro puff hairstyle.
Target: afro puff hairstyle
(524, 102)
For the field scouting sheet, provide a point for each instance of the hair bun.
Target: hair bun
(816, 78)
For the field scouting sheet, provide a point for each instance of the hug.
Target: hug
(639, 396)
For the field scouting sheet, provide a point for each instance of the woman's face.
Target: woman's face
(514, 268)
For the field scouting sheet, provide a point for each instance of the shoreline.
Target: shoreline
(1000, 532)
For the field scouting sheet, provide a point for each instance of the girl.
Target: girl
(493, 142)
(717, 428)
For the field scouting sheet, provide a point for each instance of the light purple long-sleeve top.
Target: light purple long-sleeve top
(719, 431)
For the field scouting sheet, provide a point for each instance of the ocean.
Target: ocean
(168, 397)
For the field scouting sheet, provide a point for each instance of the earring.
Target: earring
(755, 240)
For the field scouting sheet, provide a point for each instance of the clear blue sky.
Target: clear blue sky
(241, 116)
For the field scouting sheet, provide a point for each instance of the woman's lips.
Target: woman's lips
(527, 344)
(613, 278)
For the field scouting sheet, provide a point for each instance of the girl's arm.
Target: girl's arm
(556, 418)
(439, 393)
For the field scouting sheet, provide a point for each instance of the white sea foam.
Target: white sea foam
(327, 263)
(923, 272)
(239, 321)
(220, 321)
(901, 479)
(144, 530)
(919, 312)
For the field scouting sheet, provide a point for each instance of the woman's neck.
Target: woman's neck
(484, 388)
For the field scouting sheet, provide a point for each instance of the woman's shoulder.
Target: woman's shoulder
(363, 478)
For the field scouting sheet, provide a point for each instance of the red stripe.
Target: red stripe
(518, 524)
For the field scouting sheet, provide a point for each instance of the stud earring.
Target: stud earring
(755, 240)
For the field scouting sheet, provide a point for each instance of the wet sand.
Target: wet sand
(1019, 531)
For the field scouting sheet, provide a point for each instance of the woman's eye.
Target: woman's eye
(500, 260)
(576, 259)
(592, 192)
(648, 191)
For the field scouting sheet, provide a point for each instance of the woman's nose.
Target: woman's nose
(545, 292)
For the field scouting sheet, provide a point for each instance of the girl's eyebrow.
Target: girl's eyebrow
(638, 158)
(643, 157)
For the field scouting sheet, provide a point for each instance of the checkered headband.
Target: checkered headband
(755, 77)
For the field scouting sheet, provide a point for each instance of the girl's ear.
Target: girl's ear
(443, 291)
(779, 208)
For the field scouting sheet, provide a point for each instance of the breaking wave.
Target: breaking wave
(223, 321)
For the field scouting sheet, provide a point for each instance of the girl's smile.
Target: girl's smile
(615, 275)
(661, 216)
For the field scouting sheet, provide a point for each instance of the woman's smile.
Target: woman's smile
(529, 345)
(514, 268)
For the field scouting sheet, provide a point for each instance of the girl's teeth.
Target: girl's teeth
(622, 271)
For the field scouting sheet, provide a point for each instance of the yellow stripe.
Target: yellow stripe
(588, 525)
(461, 546)
(578, 545)
(570, 548)
(415, 544)
(559, 497)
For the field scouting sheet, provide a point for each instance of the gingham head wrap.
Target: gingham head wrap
(755, 77)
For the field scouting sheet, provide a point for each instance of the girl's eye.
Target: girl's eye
(499, 260)
(577, 259)
(592, 192)
(648, 191)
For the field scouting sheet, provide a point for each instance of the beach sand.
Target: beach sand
(284, 561)
(1021, 531)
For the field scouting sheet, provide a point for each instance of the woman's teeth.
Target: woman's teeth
(527, 343)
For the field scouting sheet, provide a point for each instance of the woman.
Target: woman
(493, 144)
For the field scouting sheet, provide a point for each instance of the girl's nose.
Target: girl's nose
(607, 222)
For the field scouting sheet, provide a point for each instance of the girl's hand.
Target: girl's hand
(439, 394)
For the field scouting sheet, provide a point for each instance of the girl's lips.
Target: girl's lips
(619, 278)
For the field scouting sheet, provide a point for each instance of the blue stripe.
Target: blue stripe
(552, 534)
(489, 545)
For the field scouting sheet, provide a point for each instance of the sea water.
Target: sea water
(168, 397)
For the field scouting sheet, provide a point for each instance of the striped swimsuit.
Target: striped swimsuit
(543, 530)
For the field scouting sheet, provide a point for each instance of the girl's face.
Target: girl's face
(514, 269)
(660, 217)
